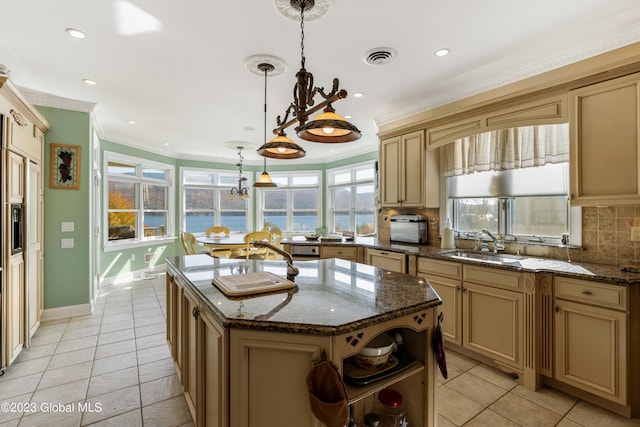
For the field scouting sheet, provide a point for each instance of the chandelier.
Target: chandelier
(328, 127)
(264, 180)
(239, 192)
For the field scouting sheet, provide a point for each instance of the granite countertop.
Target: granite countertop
(331, 297)
(587, 271)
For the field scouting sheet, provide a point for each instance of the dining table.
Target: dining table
(234, 242)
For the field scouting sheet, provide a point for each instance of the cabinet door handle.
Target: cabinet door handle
(457, 288)
(195, 313)
(587, 292)
(557, 309)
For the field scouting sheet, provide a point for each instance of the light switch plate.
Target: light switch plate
(66, 226)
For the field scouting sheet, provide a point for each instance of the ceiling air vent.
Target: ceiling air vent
(379, 56)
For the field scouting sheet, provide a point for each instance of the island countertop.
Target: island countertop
(331, 297)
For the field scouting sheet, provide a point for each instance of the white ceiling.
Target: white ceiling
(184, 82)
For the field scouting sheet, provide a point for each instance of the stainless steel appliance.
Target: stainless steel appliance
(16, 228)
(409, 229)
(305, 251)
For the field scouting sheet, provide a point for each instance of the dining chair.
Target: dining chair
(276, 237)
(218, 230)
(190, 245)
(251, 252)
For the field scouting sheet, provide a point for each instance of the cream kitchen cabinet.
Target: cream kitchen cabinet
(349, 253)
(408, 172)
(591, 337)
(446, 278)
(605, 142)
(388, 260)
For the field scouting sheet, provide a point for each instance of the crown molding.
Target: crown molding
(47, 100)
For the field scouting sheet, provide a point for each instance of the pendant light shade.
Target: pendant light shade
(282, 147)
(329, 127)
(264, 180)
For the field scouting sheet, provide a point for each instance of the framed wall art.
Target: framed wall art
(65, 167)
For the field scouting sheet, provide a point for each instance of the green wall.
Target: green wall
(67, 272)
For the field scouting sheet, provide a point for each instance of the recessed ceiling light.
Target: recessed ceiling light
(358, 95)
(442, 52)
(76, 34)
(90, 82)
(167, 144)
(249, 128)
(132, 122)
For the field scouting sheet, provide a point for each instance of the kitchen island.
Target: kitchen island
(243, 360)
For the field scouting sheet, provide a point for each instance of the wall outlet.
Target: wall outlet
(148, 257)
(635, 234)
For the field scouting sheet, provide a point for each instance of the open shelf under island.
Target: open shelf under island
(243, 361)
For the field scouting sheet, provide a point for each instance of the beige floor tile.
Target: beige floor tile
(48, 419)
(589, 415)
(524, 412)
(53, 338)
(110, 350)
(83, 323)
(19, 386)
(119, 325)
(76, 344)
(115, 336)
(553, 400)
(110, 311)
(443, 422)
(86, 331)
(152, 354)
(112, 381)
(476, 389)
(22, 368)
(151, 341)
(71, 358)
(7, 417)
(114, 363)
(456, 407)
(155, 311)
(52, 327)
(158, 369)
(54, 377)
(160, 389)
(128, 419)
(460, 361)
(172, 412)
(494, 376)
(565, 422)
(156, 328)
(37, 352)
(488, 418)
(118, 317)
(149, 320)
(112, 404)
(65, 393)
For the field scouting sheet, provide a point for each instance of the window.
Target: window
(295, 205)
(206, 201)
(352, 199)
(525, 203)
(139, 196)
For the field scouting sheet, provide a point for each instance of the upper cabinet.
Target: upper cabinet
(408, 172)
(605, 139)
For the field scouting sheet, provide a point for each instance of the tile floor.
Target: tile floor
(115, 363)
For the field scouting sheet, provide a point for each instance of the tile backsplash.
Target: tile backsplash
(606, 235)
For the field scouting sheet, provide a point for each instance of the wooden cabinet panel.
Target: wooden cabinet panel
(213, 374)
(492, 323)
(190, 367)
(349, 253)
(14, 288)
(394, 261)
(389, 172)
(494, 277)
(591, 349)
(604, 142)
(601, 294)
(15, 179)
(450, 291)
(440, 268)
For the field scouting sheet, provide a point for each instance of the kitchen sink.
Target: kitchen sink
(484, 257)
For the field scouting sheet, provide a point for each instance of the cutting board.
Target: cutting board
(251, 283)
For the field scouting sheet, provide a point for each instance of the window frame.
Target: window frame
(139, 164)
(352, 185)
(290, 176)
(182, 217)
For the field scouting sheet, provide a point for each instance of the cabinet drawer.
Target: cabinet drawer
(493, 277)
(348, 253)
(440, 268)
(601, 294)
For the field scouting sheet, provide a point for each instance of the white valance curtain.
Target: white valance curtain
(507, 149)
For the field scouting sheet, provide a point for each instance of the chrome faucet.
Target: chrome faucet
(496, 247)
(292, 270)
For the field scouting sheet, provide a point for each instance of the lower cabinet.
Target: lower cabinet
(591, 337)
(349, 253)
(394, 261)
(14, 290)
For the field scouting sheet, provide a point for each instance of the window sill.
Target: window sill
(132, 244)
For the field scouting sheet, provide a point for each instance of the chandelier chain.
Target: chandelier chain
(302, 7)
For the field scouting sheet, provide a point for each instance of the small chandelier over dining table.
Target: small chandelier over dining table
(328, 127)
(239, 192)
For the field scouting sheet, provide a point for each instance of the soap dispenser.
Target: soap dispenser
(447, 241)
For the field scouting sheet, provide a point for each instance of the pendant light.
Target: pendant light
(264, 180)
(328, 127)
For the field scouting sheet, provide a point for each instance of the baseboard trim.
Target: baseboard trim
(67, 311)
